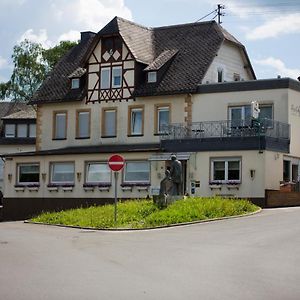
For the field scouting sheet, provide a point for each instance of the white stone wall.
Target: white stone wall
(232, 59)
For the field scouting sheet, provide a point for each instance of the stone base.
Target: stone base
(165, 200)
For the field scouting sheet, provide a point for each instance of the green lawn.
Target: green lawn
(144, 214)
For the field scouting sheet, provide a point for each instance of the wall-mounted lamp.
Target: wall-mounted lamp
(252, 174)
(276, 156)
(44, 175)
(78, 176)
(9, 176)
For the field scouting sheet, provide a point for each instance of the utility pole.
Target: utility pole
(220, 13)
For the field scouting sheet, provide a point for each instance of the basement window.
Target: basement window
(152, 77)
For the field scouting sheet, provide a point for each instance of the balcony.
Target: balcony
(227, 135)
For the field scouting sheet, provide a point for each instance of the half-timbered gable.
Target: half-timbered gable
(110, 71)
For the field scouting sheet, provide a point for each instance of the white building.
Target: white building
(145, 93)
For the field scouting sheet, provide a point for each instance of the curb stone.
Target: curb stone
(148, 228)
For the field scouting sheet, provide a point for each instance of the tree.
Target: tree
(32, 63)
(53, 55)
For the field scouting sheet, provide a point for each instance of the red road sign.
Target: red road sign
(116, 162)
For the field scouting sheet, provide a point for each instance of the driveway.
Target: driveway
(255, 257)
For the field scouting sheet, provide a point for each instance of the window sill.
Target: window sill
(57, 139)
(82, 138)
(67, 188)
(135, 135)
(140, 184)
(19, 189)
(108, 136)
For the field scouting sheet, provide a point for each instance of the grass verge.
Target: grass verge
(144, 214)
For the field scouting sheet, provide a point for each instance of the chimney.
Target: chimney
(85, 35)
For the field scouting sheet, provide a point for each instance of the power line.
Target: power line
(218, 13)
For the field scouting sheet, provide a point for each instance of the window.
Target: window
(162, 117)
(75, 83)
(266, 112)
(236, 77)
(105, 78)
(220, 73)
(226, 169)
(10, 130)
(60, 125)
(152, 77)
(109, 122)
(83, 124)
(137, 171)
(241, 115)
(136, 120)
(116, 77)
(62, 172)
(97, 172)
(22, 130)
(32, 130)
(28, 173)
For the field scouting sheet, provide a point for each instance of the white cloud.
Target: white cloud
(72, 35)
(69, 18)
(277, 26)
(3, 63)
(89, 14)
(279, 67)
(40, 37)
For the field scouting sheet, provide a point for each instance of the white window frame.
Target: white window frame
(75, 83)
(18, 173)
(87, 164)
(161, 108)
(32, 130)
(23, 126)
(14, 131)
(56, 136)
(109, 78)
(152, 77)
(136, 181)
(226, 160)
(114, 69)
(132, 110)
(52, 164)
(79, 123)
(104, 127)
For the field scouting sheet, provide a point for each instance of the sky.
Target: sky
(269, 29)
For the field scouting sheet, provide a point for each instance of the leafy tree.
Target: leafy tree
(53, 55)
(32, 63)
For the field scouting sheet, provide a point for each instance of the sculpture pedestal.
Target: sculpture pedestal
(165, 200)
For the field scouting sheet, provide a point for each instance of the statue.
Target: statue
(166, 184)
(176, 176)
(170, 186)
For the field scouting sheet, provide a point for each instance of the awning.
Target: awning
(167, 156)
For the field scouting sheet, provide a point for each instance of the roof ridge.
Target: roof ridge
(133, 23)
(184, 25)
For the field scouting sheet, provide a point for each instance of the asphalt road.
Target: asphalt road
(256, 257)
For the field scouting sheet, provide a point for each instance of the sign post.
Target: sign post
(116, 163)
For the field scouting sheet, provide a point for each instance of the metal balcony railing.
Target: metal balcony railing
(227, 128)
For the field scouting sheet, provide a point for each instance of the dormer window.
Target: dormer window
(75, 83)
(152, 77)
